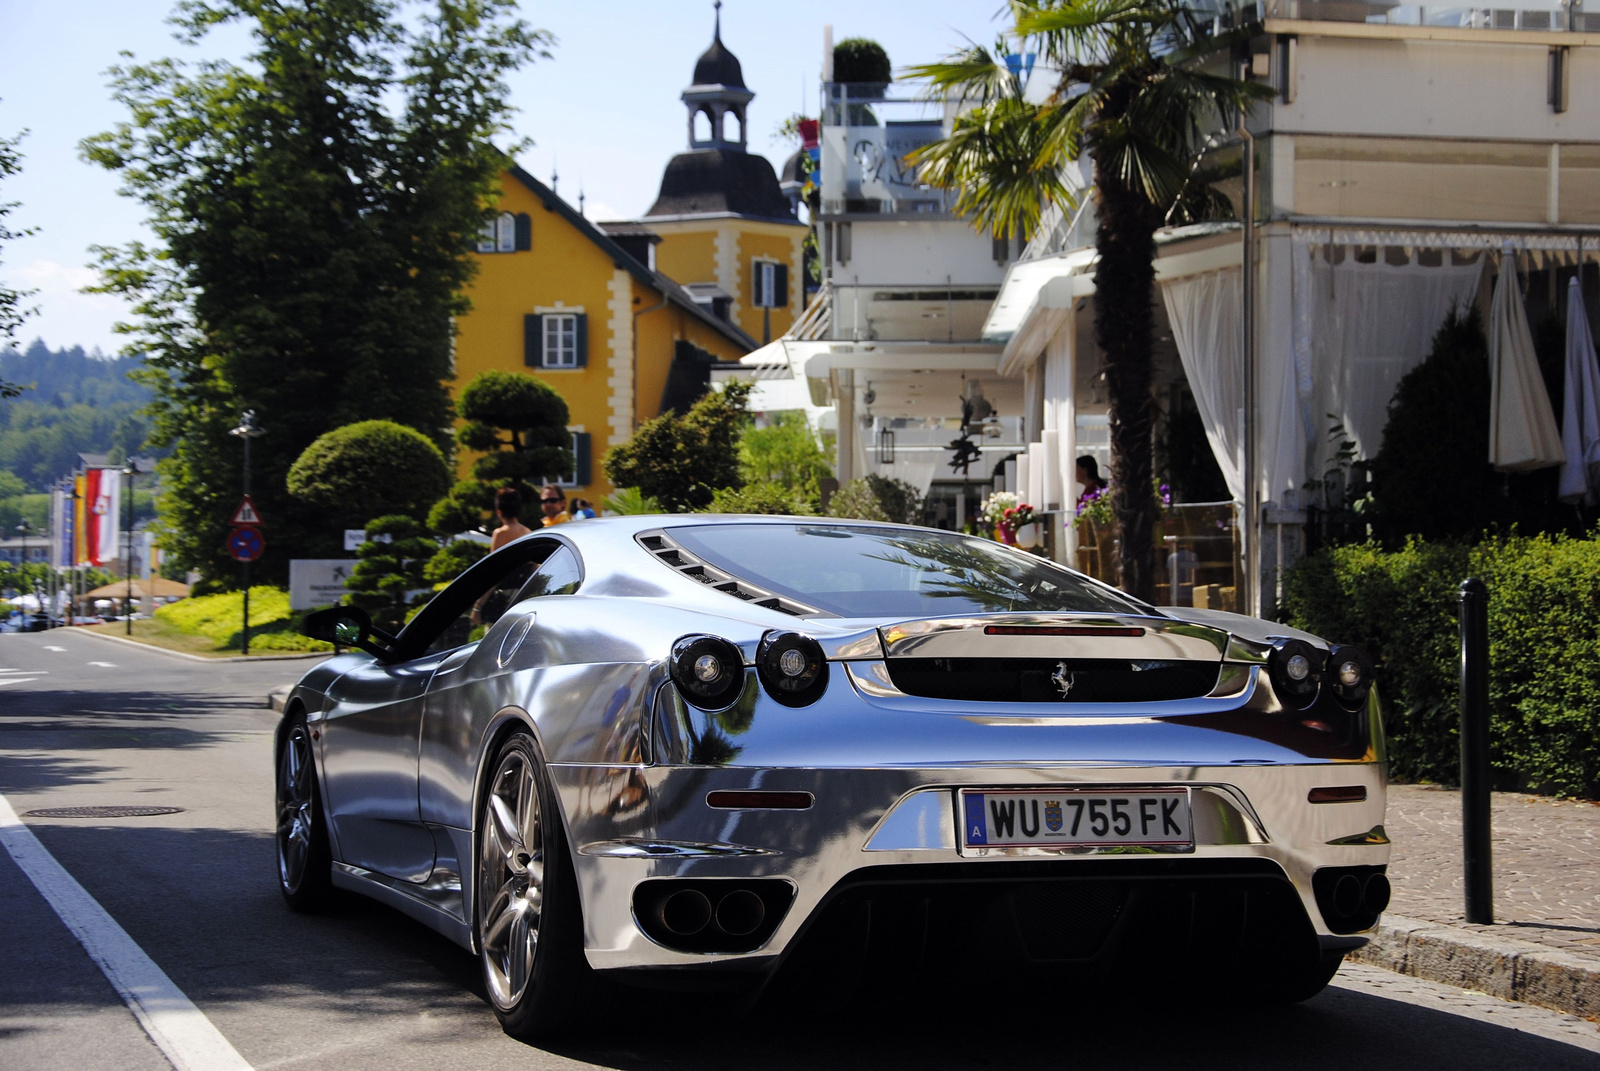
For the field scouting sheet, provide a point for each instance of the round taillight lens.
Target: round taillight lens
(708, 670)
(1351, 674)
(1296, 669)
(792, 668)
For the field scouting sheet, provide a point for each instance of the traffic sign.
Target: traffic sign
(246, 544)
(246, 516)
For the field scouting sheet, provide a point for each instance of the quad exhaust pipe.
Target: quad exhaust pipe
(711, 916)
(1351, 897)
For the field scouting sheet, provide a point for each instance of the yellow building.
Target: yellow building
(588, 313)
(728, 233)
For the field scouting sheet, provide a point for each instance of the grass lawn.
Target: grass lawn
(159, 633)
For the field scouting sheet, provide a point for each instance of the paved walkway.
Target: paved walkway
(1546, 865)
(1544, 947)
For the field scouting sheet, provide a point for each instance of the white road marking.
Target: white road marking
(108, 665)
(180, 1030)
(49, 648)
(16, 680)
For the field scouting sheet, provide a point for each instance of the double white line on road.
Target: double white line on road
(180, 1030)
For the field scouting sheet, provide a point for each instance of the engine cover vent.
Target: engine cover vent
(667, 551)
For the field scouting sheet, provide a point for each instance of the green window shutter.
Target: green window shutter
(533, 341)
(580, 458)
(781, 286)
(524, 232)
(583, 341)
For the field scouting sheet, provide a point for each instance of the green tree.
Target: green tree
(390, 565)
(12, 311)
(313, 210)
(520, 425)
(1134, 92)
(785, 452)
(365, 470)
(682, 460)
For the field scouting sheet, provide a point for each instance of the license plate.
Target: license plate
(1076, 818)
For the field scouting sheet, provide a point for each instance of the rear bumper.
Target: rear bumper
(886, 838)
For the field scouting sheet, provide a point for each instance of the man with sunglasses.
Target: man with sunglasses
(553, 502)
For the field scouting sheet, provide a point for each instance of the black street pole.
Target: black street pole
(248, 429)
(127, 543)
(245, 649)
(1479, 876)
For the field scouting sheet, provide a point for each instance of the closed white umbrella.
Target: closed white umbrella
(1522, 424)
(1580, 419)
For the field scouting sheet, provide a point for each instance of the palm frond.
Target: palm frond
(975, 74)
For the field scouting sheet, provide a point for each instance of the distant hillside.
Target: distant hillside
(80, 402)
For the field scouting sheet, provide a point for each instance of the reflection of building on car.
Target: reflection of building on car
(715, 751)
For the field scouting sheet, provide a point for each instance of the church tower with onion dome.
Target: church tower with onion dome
(728, 233)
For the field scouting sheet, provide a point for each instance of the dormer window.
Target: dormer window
(506, 233)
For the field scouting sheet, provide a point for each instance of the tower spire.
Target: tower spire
(716, 33)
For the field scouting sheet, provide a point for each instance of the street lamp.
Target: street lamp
(248, 429)
(130, 471)
(23, 530)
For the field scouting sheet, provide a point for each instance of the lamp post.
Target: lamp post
(248, 429)
(22, 530)
(129, 472)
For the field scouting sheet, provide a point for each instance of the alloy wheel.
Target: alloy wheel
(296, 810)
(511, 862)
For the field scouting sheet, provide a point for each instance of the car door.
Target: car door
(372, 730)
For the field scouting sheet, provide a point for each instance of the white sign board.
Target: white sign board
(354, 537)
(317, 581)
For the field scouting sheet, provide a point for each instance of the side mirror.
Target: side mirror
(346, 626)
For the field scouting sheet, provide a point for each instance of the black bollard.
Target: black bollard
(1475, 751)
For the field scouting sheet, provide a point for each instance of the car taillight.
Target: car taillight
(708, 670)
(1350, 674)
(1296, 668)
(792, 668)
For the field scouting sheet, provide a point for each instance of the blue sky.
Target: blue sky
(605, 108)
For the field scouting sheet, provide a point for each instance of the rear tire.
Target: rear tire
(305, 863)
(528, 918)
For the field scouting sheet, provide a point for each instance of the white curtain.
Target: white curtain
(1204, 311)
(1060, 405)
(1358, 328)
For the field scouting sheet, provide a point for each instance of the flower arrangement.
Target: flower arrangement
(1004, 512)
(1096, 504)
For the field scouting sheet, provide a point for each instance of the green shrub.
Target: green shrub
(760, 498)
(856, 500)
(1544, 640)
(631, 502)
(681, 461)
(220, 619)
(860, 59)
(364, 470)
(787, 452)
(900, 502)
(390, 565)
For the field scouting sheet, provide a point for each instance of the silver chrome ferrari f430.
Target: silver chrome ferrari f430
(708, 750)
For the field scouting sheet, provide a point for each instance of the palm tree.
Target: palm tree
(1134, 91)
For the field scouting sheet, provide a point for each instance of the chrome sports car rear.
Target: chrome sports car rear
(750, 743)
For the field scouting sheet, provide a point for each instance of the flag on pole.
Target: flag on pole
(102, 514)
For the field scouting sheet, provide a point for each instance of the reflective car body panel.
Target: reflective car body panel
(404, 745)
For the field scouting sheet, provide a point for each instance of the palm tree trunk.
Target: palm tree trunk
(1124, 290)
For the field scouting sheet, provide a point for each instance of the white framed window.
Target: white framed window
(580, 474)
(499, 235)
(769, 284)
(560, 349)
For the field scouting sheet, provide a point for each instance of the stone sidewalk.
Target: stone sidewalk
(1544, 946)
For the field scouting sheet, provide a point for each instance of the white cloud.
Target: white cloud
(65, 316)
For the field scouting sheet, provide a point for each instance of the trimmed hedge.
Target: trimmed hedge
(1544, 647)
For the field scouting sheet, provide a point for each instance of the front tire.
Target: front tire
(305, 863)
(528, 916)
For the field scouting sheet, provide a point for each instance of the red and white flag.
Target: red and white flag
(102, 515)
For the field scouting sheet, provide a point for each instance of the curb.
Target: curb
(1499, 966)
(141, 645)
(278, 698)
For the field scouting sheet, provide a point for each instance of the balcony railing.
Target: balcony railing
(1503, 15)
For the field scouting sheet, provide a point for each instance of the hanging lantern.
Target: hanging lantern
(885, 447)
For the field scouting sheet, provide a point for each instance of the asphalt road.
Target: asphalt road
(85, 721)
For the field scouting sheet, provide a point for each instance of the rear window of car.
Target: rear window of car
(869, 571)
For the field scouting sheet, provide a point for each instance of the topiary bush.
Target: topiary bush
(390, 565)
(1544, 640)
(360, 471)
(860, 59)
(681, 461)
(857, 501)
